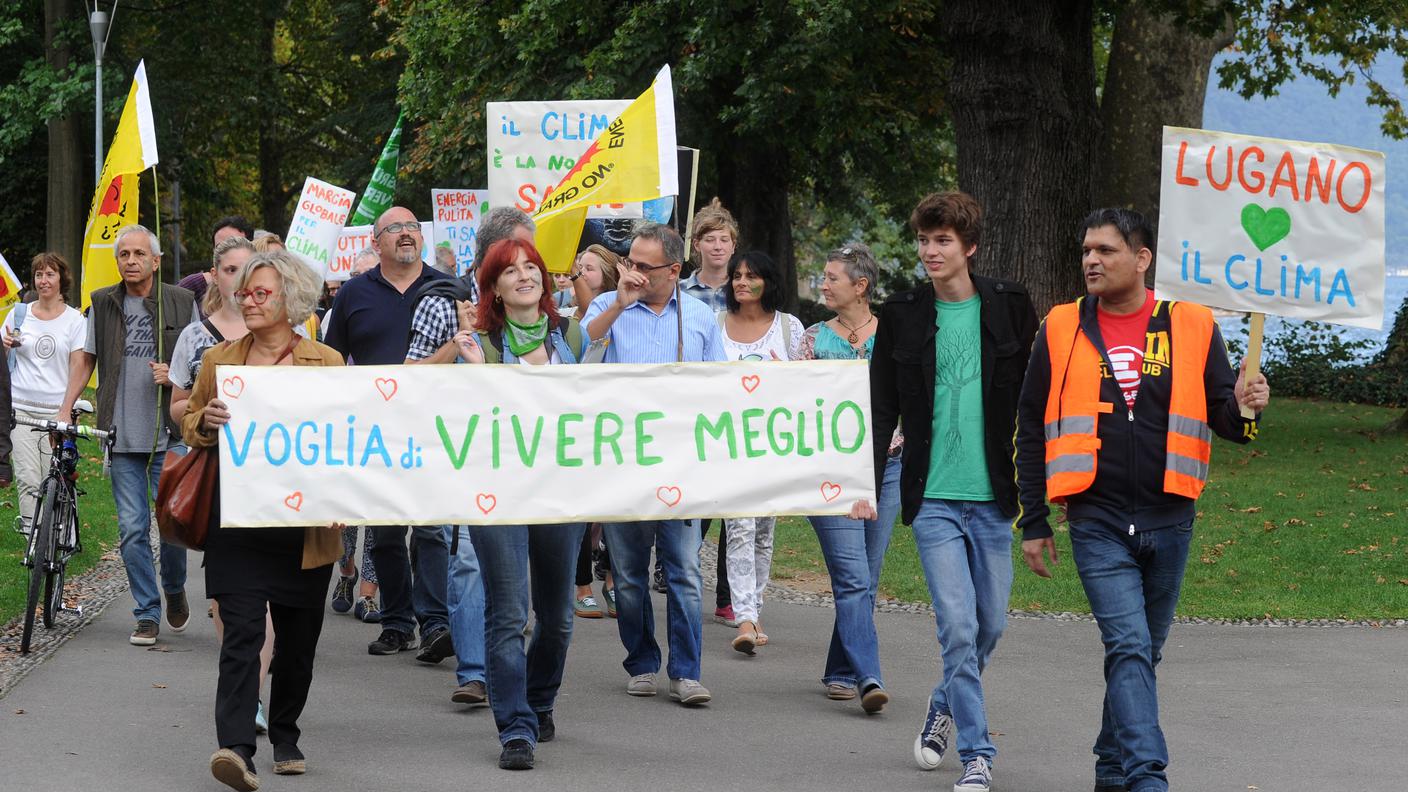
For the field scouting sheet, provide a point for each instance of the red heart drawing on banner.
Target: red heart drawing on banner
(670, 496)
(829, 491)
(294, 501)
(232, 386)
(486, 502)
(751, 382)
(387, 386)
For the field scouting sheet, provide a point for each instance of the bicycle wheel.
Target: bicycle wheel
(54, 581)
(43, 541)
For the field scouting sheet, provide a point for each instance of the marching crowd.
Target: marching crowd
(981, 415)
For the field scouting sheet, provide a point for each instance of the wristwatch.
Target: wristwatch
(574, 276)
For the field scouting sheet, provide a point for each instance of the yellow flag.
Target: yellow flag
(10, 288)
(133, 150)
(633, 160)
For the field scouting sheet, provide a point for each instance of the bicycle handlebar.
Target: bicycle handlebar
(70, 430)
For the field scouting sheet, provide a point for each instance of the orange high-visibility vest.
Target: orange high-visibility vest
(1073, 403)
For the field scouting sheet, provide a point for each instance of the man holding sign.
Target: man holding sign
(1128, 480)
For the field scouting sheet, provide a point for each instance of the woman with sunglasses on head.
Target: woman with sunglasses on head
(248, 571)
(753, 329)
(523, 566)
(854, 549)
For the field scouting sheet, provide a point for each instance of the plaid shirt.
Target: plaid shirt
(435, 323)
(710, 296)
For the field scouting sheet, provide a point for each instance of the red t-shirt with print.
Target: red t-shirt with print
(1124, 338)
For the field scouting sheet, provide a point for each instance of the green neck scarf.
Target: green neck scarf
(524, 338)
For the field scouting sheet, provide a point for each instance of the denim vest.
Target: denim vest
(565, 353)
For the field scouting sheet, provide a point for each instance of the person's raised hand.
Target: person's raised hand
(629, 287)
(464, 314)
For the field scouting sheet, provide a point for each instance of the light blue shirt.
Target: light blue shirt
(639, 335)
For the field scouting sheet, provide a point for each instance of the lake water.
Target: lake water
(1395, 290)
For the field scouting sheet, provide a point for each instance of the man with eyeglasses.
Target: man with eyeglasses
(648, 320)
(369, 322)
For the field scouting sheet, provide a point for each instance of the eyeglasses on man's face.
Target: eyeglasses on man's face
(396, 228)
(639, 266)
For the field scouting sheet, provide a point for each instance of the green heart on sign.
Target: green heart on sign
(1265, 227)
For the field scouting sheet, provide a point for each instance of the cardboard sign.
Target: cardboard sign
(322, 211)
(457, 216)
(1272, 226)
(382, 445)
(533, 145)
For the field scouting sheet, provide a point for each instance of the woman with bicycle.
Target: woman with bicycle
(40, 337)
(287, 569)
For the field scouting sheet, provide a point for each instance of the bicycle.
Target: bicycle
(54, 536)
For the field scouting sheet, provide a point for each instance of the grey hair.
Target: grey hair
(233, 243)
(132, 229)
(859, 263)
(301, 285)
(365, 252)
(669, 239)
(498, 224)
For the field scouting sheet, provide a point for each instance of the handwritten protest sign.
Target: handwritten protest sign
(457, 215)
(1272, 226)
(322, 210)
(533, 145)
(381, 445)
(10, 286)
(354, 239)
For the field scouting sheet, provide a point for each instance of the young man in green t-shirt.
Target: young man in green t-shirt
(948, 364)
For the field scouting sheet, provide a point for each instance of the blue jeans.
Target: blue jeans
(523, 565)
(134, 480)
(847, 544)
(403, 603)
(1132, 583)
(465, 597)
(677, 542)
(965, 548)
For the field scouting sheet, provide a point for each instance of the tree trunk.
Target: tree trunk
(753, 187)
(1157, 75)
(64, 218)
(1022, 95)
(273, 198)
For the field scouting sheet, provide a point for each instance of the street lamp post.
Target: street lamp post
(100, 25)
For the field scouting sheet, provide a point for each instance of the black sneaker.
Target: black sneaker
(390, 642)
(659, 579)
(178, 611)
(517, 755)
(546, 729)
(436, 647)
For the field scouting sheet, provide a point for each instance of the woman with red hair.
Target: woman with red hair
(518, 323)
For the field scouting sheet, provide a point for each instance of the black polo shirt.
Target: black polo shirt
(370, 321)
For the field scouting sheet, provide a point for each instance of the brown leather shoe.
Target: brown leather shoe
(472, 693)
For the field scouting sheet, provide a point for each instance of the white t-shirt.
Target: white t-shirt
(41, 361)
(786, 346)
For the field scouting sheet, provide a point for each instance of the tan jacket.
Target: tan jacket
(321, 546)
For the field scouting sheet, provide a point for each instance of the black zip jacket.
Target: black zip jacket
(902, 383)
(1128, 491)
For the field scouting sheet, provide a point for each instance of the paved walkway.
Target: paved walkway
(1269, 709)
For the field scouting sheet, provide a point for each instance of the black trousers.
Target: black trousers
(722, 596)
(296, 632)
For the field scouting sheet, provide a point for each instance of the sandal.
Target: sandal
(747, 638)
(762, 636)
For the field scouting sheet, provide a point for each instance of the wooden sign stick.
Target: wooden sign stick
(1253, 355)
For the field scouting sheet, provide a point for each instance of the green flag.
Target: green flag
(381, 190)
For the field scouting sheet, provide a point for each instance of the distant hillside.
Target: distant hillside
(1304, 110)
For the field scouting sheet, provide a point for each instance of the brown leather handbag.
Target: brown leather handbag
(184, 496)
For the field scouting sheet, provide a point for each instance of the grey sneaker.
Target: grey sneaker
(178, 611)
(977, 776)
(689, 692)
(145, 634)
(641, 685)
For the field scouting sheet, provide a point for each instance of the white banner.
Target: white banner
(457, 216)
(532, 146)
(322, 211)
(354, 239)
(395, 445)
(1272, 226)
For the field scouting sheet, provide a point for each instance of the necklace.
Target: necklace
(853, 337)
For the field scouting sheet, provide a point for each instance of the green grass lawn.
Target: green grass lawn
(98, 516)
(1310, 521)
